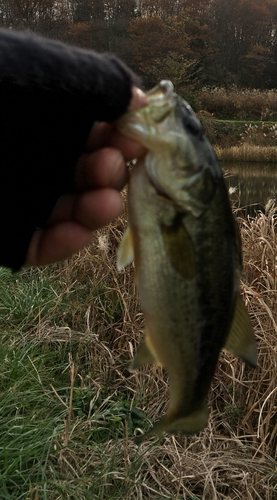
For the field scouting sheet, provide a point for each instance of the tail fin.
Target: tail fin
(190, 424)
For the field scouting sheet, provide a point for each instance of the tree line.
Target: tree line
(195, 43)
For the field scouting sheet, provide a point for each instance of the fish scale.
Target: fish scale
(187, 253)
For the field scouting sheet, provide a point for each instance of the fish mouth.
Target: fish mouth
(162, 100)
(153, 178)
(159, 190)
(162, 92)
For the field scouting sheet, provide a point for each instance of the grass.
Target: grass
(238, 141)
(69, 407)
(240, 104)
(247, 152)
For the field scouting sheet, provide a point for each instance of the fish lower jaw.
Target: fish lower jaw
(159, 191)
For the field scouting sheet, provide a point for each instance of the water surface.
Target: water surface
(252, 184)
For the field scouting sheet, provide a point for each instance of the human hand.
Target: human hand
(100, 175)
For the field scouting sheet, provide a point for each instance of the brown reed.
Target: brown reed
(235, 456)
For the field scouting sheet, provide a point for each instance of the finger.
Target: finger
(129, 147)
(103, 168)
(56, 243)
(95, 209)
(139, 99)
(63, 209)
(99, 136)
(90, 211)
(105, 134)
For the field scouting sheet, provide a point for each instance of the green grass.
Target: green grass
(42, 400)
(31, 417)
(34, 407)
(29, 296)
(69, 408)
(246, 122)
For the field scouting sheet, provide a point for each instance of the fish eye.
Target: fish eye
(192, 125)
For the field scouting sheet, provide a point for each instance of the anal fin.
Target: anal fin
(144, 356)
(241, 340)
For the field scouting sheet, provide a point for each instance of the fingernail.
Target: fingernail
(139, 99)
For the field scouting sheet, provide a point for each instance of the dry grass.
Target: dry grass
(240, 104)
(233, 458)
(237, 141)
(247, 152)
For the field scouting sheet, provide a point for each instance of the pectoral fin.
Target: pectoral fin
(179, 248)
(125, 253)
(241, 341)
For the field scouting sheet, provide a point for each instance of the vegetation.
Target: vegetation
(221, 56)
(236, 140)
(196, 42)
(239, 104)
(69, 408)
(247, 152)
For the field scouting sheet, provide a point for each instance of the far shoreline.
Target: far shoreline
(247, 153)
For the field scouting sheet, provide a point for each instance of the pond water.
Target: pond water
(252, 184)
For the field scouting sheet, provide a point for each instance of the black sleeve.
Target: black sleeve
(50, 96)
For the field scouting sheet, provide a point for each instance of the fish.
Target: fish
(186, 248)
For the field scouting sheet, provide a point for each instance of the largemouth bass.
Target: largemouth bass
(186, 247)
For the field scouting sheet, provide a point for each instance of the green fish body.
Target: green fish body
(186, 248)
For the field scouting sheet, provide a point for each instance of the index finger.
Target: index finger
(104, 134)
(139, 99)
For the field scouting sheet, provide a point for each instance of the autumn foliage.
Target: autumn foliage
(195, 43)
